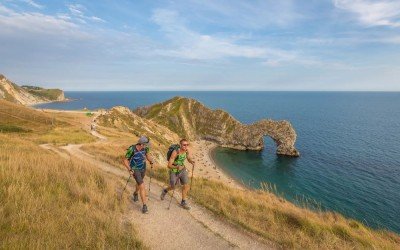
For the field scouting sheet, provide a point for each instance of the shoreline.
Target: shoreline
(207, 168)
(40, 103)
(202, 153)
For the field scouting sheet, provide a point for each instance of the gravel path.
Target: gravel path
(175, 228)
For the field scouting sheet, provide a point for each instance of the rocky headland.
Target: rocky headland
(191, 119)
(28, 95)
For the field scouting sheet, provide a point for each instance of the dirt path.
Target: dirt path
(175, 228)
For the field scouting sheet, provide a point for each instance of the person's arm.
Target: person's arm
(126, 163)
(172, 159)
(148, 157)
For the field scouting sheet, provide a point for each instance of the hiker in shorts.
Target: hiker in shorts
(178, 171)
(135, 163)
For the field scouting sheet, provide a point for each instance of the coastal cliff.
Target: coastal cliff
(192, 120)
(125, 120)
(28, 95)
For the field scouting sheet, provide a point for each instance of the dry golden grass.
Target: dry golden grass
(282, 222)
(269, 216)
(110, 152)
(43, 127)
(49, 202)
(52, 203)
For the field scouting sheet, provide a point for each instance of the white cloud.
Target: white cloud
(243, 14)
(12, 22)
(373, 13)
(33, 3)
(78, 10)
(188, 44)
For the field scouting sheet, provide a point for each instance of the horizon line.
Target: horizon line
(205, 90)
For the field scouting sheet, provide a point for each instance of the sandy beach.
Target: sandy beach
(205, 165)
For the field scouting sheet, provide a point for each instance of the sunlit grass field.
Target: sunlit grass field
(265, 214)
(49, 202)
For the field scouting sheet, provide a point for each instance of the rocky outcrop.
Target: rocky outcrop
(191, 119)
(125, 120)
(28, 95)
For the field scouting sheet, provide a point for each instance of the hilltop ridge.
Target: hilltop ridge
(28, 95)
(191, 119)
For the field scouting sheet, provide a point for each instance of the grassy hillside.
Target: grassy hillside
(50, 94)
(41, 127)
(50, 202)
(27, 95)
(263, 213)
(269, 216)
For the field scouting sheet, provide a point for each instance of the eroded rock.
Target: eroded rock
(192, 120)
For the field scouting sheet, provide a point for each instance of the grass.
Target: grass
(74, 206)
(65, 135)
(42, 127)
(112, 153)
(49, 202)
(269, 216)
(286, 224)
(50, 94)
(9, 128)
(272, 217)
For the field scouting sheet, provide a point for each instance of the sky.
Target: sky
(287, 45)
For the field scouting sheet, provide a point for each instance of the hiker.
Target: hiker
(135, 162)
(178, 171)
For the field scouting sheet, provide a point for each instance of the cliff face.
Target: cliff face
(28, 95)
(192, 120)
(125, 120)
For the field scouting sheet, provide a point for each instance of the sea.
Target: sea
(349, 144)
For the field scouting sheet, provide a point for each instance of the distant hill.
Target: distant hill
(192, 120)
(28, 95)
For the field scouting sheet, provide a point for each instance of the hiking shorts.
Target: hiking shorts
(182, 176)
(139, 174)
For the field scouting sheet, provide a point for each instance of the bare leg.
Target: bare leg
(142, 192)
(185, 190)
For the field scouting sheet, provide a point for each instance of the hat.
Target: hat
(143, 140)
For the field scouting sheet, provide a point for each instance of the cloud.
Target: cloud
(373, 13)
(33, 3)
(13, 23)
(78, 10)
(241, 14)
(188, 44)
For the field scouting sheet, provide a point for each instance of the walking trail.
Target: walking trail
(175, 228)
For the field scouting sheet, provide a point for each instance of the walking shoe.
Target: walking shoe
(185, 205)
(144, 209)
(163, 194)
(135, 197)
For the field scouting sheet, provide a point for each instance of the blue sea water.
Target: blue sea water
(349, 144)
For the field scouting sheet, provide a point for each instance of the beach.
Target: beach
(206, 166)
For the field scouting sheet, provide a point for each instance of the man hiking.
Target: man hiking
(178, 171)
(135, 162)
